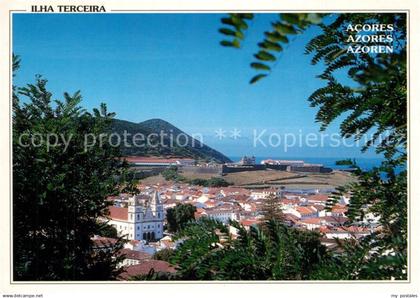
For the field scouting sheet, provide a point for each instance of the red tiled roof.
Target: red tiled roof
(134, 242)
(335, 219)
(249, 222)
(145, 267)
(318, 197)
(315, 221)
(294, 201)
(118, 213)
(210, 203)
(339, 209)
(324, 229)
(305, 210)
(352, 229)
(135, 255)
(199, 213)
(291, 217)
(134, 159)
(318, 207)
(168, 243)
(99, 242)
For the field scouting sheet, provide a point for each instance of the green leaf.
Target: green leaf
(236, 21)
(239, 35)
(260, 66)
(302, 16)
(226, 43)
(284, 29)
(276, 37)
(227, 31)
(315, 18)
(247, 16)
(257, 78)
(228, 21)
(265, 56)
(272, 46)
(291, 18)
(236, 43)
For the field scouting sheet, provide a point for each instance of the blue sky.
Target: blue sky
(171, 66)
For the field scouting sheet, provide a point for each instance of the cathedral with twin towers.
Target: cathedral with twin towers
(138, 217)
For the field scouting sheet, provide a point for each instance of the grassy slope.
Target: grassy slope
(256, 179)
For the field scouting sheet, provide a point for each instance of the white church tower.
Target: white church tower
(157, 206)
(143, 220)
(155, 215)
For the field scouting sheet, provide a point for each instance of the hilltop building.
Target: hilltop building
(140, 161)
(291, 163)
(248, 164)
(247, 160)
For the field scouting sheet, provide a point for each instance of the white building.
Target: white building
(222, 214)
(134, 257)
(203, 198)
(263, 194)
(141, 219)
(347, 232)
(301, 211)
(292, 163)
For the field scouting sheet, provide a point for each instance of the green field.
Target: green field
(271, 178)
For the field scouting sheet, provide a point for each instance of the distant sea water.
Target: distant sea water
(329, 162)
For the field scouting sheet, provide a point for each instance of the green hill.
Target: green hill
(192, 148)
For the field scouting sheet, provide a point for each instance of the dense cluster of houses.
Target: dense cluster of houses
(141, 218)
(301, 210)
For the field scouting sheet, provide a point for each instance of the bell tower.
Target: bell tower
(134, 210)
(156, 206)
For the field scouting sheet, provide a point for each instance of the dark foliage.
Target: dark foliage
(60, 193)
(164, 254)
(106, 230)
(171, 174)
(212, 182)
(277, 252)
(270, 209)
(179, 216)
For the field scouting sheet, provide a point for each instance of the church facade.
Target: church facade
(139, 217)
